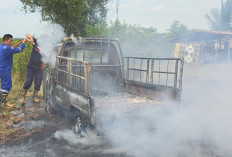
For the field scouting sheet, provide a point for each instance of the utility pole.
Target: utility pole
(117, 5)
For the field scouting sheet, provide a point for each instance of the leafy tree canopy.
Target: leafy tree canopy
(134, 39)
(72, 15)
(177, 29)
(221, 19)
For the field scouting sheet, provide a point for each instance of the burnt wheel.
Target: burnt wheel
(81, 128)
(78, 126)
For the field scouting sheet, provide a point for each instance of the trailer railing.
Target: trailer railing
(159, 71)
(74, 74)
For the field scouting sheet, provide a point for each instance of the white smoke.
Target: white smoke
(74, 39)
(72, 138)
(52, 35)
(200, 126)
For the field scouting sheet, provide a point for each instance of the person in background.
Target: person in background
(34, 70)
(6, 62)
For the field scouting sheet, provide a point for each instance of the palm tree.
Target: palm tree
(221, 20)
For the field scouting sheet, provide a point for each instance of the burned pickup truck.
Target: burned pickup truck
(91, 78)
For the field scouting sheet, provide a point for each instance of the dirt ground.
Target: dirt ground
(17, 124)
(30, 131)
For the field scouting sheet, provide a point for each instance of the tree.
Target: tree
(98, 31)
(72, 15)
(177, 29)
(144, 42)
(221, 20)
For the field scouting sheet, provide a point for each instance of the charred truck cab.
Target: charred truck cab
(91, 77)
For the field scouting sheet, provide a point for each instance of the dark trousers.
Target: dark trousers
(35, 74)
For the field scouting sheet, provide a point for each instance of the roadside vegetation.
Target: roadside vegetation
(136, 39)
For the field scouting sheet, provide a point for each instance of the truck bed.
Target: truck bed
(120, 103)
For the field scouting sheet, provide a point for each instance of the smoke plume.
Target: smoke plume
(199, 126)
(53, 34)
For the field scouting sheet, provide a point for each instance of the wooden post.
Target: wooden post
(177, 51)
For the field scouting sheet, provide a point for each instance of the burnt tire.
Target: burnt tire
(81, 129)
(78, 126)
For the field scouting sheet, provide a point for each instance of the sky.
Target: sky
(156, 13)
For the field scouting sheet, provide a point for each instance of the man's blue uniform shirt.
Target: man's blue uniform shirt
(6, 55)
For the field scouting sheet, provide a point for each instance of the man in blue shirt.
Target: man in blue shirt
(6, 62)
